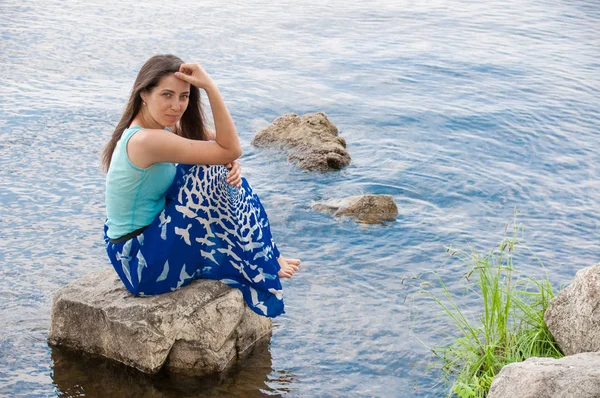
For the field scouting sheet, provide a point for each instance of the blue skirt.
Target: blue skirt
(207, 229)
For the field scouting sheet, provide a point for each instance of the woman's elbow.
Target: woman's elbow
(230, 155)
(238, 152)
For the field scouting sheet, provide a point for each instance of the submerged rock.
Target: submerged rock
(365, 208)
(73, 372)
(573, 316)
(312, 141)
(197, 330)
(576, 376)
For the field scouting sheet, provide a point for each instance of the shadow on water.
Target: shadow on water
(77, 375)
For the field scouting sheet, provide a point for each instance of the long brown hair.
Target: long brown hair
(191, 124)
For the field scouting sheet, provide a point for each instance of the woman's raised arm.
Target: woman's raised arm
(226, 134)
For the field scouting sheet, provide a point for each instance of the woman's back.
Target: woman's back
(134, 196)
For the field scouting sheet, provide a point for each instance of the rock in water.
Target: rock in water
(312, 141)
(573, 316)
(197, 330)
(366, 208)
(576, 376)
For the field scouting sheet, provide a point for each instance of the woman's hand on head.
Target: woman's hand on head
(234, 177)
(195, 75)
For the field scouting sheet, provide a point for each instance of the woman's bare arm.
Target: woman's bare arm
(210, 135)
(150, 146)
(226, 134)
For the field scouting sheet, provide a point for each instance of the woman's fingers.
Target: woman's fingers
(186, 71)
(189, 69)
(288, 269)
(291, 268)
(236, 182)
(185, 77)
(195, 75)
(235, 170)
(234, 175)
(284, 274)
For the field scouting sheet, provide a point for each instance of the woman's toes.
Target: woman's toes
(282, 274)
(289, 266)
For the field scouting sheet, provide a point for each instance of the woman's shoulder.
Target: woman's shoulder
(129, 132)
(146, 135)
(146, 145)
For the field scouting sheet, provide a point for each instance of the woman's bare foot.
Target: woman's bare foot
(289, 266)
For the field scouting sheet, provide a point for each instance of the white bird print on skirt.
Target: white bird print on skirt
(124, 258)
(185, 211)
(250, 246)
(263, 253)
(141, 264)
(205, 241)
(277, 293)
(263, 276)
(163, 225)
(241, 270)
(258, 304)
(229, 252)
(164, 273)
(222, 224)
(209, 255)
(225, 238)
(184, 233)
(206, 225)
(183, 277)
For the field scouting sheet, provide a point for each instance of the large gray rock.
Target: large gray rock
(576, 376)
(197, 330)
(573, 316)
(312, 141)
(365, 208)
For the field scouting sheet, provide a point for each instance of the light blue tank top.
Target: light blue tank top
(134, 196)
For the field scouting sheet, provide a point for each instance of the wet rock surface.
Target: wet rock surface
(198, 330)
(312, 141)
(573, 316)
(364, 208)
(575, 376)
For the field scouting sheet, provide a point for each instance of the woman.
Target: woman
(169, 224)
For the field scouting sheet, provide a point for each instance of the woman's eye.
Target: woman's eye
(167, 94)
(185, 96)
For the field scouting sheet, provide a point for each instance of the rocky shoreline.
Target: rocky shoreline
(573, 318)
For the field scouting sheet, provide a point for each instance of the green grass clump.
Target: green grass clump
(510, 327)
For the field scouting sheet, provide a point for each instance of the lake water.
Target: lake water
(461, 110)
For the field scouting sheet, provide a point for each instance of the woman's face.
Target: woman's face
(166, 102)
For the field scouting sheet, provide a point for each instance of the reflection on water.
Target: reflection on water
(76, 375)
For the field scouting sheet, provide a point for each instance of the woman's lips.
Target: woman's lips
(173, 118)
